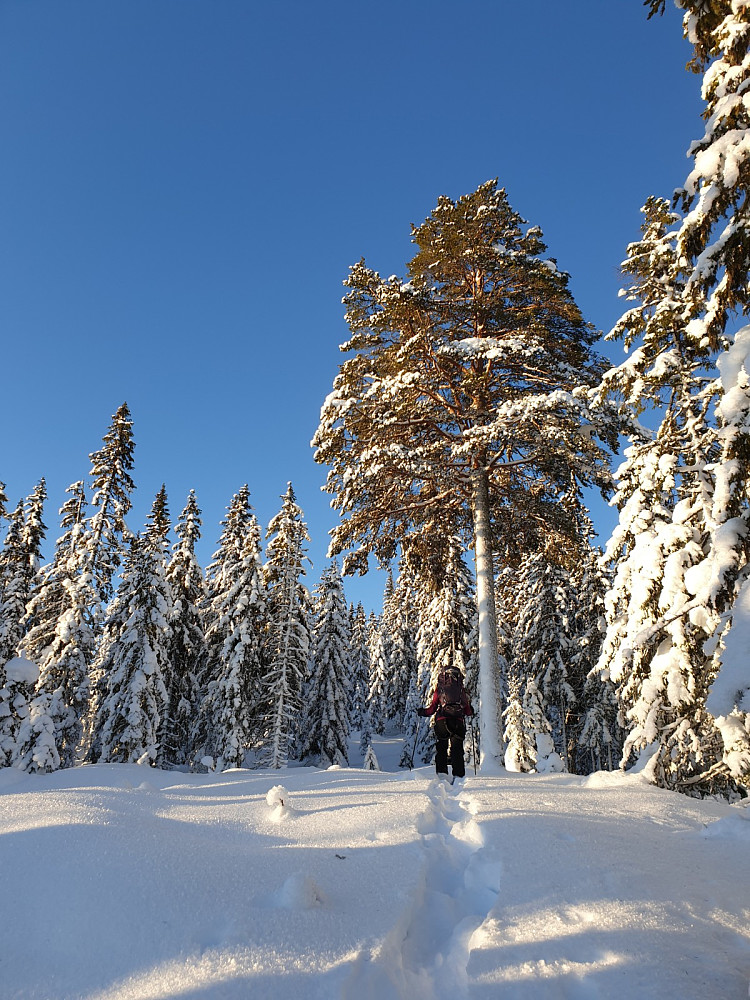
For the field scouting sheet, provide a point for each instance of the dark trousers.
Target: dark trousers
(450, 731)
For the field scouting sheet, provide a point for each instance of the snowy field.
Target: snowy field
(124, 882)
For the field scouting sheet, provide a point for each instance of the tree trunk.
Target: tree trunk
(489, 707)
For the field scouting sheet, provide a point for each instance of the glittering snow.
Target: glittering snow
(123, 882)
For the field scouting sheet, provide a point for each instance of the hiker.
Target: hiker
(450, 703)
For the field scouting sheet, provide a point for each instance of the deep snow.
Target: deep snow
(120, 881)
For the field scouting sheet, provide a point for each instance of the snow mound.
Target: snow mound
(277, 796)
(299, 892)
(278, 799)
(734, 827)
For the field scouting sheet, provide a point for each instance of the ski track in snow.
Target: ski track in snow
(427, 953)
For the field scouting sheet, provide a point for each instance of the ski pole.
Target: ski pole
(414, 748)
(473, 745)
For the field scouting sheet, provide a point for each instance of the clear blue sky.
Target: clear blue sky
(184, 184)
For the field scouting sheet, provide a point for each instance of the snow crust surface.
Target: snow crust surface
(123, 882)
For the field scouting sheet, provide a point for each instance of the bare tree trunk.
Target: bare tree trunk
(489, 698)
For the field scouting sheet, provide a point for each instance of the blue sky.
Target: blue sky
(184, 184)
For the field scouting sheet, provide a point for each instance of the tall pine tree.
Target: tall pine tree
(465, 399)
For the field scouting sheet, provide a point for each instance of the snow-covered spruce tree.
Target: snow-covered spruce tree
(220, 576)
(287, 642)
(360, 667)
(19, 563)
(466, 399)
(544, 639)
(188, 651)
(156, 539)
(399, 615)
(231, 707)
(17, 680)
(448, 621)
(3, 500)
(520, 728)
(61, 641)
(34, 531)
(690, 281)
(369, 757)
(13, 581)
(327, 719)
(221, 571)
(365, 739)
(379, 647)
(599, 737)
(546, 757)
(112, 485)
(132, 660)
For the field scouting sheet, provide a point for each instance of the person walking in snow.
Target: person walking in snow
(450, 705)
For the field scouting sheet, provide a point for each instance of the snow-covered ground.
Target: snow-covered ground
(120, 881)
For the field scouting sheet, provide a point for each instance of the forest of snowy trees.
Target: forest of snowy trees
(122, 648)
(468, 421)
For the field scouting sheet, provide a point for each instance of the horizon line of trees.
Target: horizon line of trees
(122, 648)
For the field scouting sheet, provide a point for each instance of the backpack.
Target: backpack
(451, 692)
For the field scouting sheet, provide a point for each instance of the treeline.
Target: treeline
(123, 649)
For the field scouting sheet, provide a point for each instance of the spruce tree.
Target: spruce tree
(13, 586)
(369, 757)
(360, 667)
(287, 642)
(34, 531)
(448, 622)
(156, 540)
(327, 723)
(188, 650)
(690, 282)
(537, 726)
(19, 563)
(544, 640)
(220, 575)
(466, 399)
(520, 727)
(61, 641)
(17, 680)
(365, 740)
(599, 737)
(112, 485)
(401, 616)
(231, 708)
(379, 646)
(132, 660)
